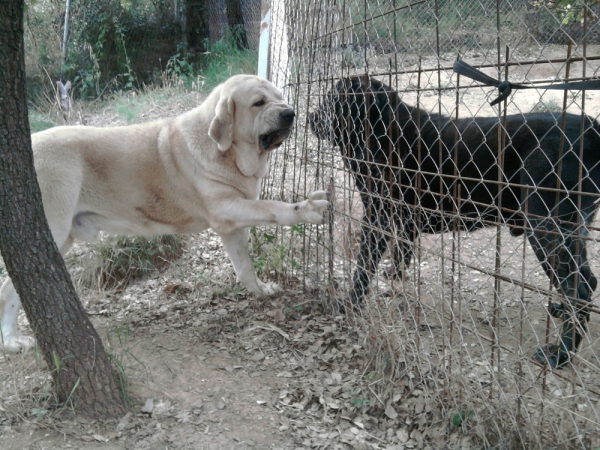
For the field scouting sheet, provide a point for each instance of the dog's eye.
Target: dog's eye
(259, 103)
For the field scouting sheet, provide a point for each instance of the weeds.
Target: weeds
(223, 60)
(128, 108)
(181, 63)
(118, 342)
(114, 262)
(277, 255)
(39, 121)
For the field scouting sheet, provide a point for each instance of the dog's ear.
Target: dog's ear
(221, 127)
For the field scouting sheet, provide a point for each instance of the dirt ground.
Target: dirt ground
(211, 367)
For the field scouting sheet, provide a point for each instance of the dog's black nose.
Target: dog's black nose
(287, 116)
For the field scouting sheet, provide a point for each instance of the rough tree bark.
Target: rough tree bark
(235, 20)
(532, 20)
(196, 23)
(63, 330)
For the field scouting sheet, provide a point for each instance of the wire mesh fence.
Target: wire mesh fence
(462, 238)
(218, 22)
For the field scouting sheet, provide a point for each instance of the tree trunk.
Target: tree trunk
(196, 23)
(81, 369)
(65, 42)
(532, 20)
(235, 20)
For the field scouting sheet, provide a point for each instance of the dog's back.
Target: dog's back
(391, 147)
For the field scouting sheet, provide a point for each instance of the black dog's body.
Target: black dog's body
(427, 173)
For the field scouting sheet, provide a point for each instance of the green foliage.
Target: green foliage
(102, 28)
(113, 44)
(459, 418)
(224, 59)
(277, 254)
(87, 78)
(118, 338)
(370, 376)
(42, 43)
(128, 106)
(269, 255)
(462, 20)
(361, 402)
(124, 45)
(571, 10)
(180, 64)
(39, 414)
(38, 122)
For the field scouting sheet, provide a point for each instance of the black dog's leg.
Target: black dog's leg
(403, 250)
(375, 237)
(563, 255)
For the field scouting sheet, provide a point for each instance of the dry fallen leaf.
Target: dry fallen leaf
(390, 411)
(99, 438)
(148, 406)
(402, 435)
(162, 407)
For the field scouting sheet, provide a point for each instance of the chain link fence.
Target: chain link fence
(218, 22)
(462, 239)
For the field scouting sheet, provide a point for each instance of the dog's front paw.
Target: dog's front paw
(256, 286)
(268, 288)
(313, 209)
(18, 343)
(553, 355)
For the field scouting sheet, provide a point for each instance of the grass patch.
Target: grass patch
(128, 110)
(225, 61)
(116, 261)
(220, 61)
(39, 121)
(120, 352)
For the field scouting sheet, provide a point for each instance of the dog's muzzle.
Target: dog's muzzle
(275, 137)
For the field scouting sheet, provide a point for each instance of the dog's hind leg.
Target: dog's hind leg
(374, 243)
(402, 252)
(562, 251)
(10, 305)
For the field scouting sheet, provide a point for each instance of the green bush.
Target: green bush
(224, 59)
(115, 261)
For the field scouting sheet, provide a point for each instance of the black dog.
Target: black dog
(428, 173)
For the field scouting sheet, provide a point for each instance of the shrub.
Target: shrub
(115, 261)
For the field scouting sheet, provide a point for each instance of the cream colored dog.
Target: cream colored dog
(200, 170)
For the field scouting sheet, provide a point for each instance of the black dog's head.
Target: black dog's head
(359, 113)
